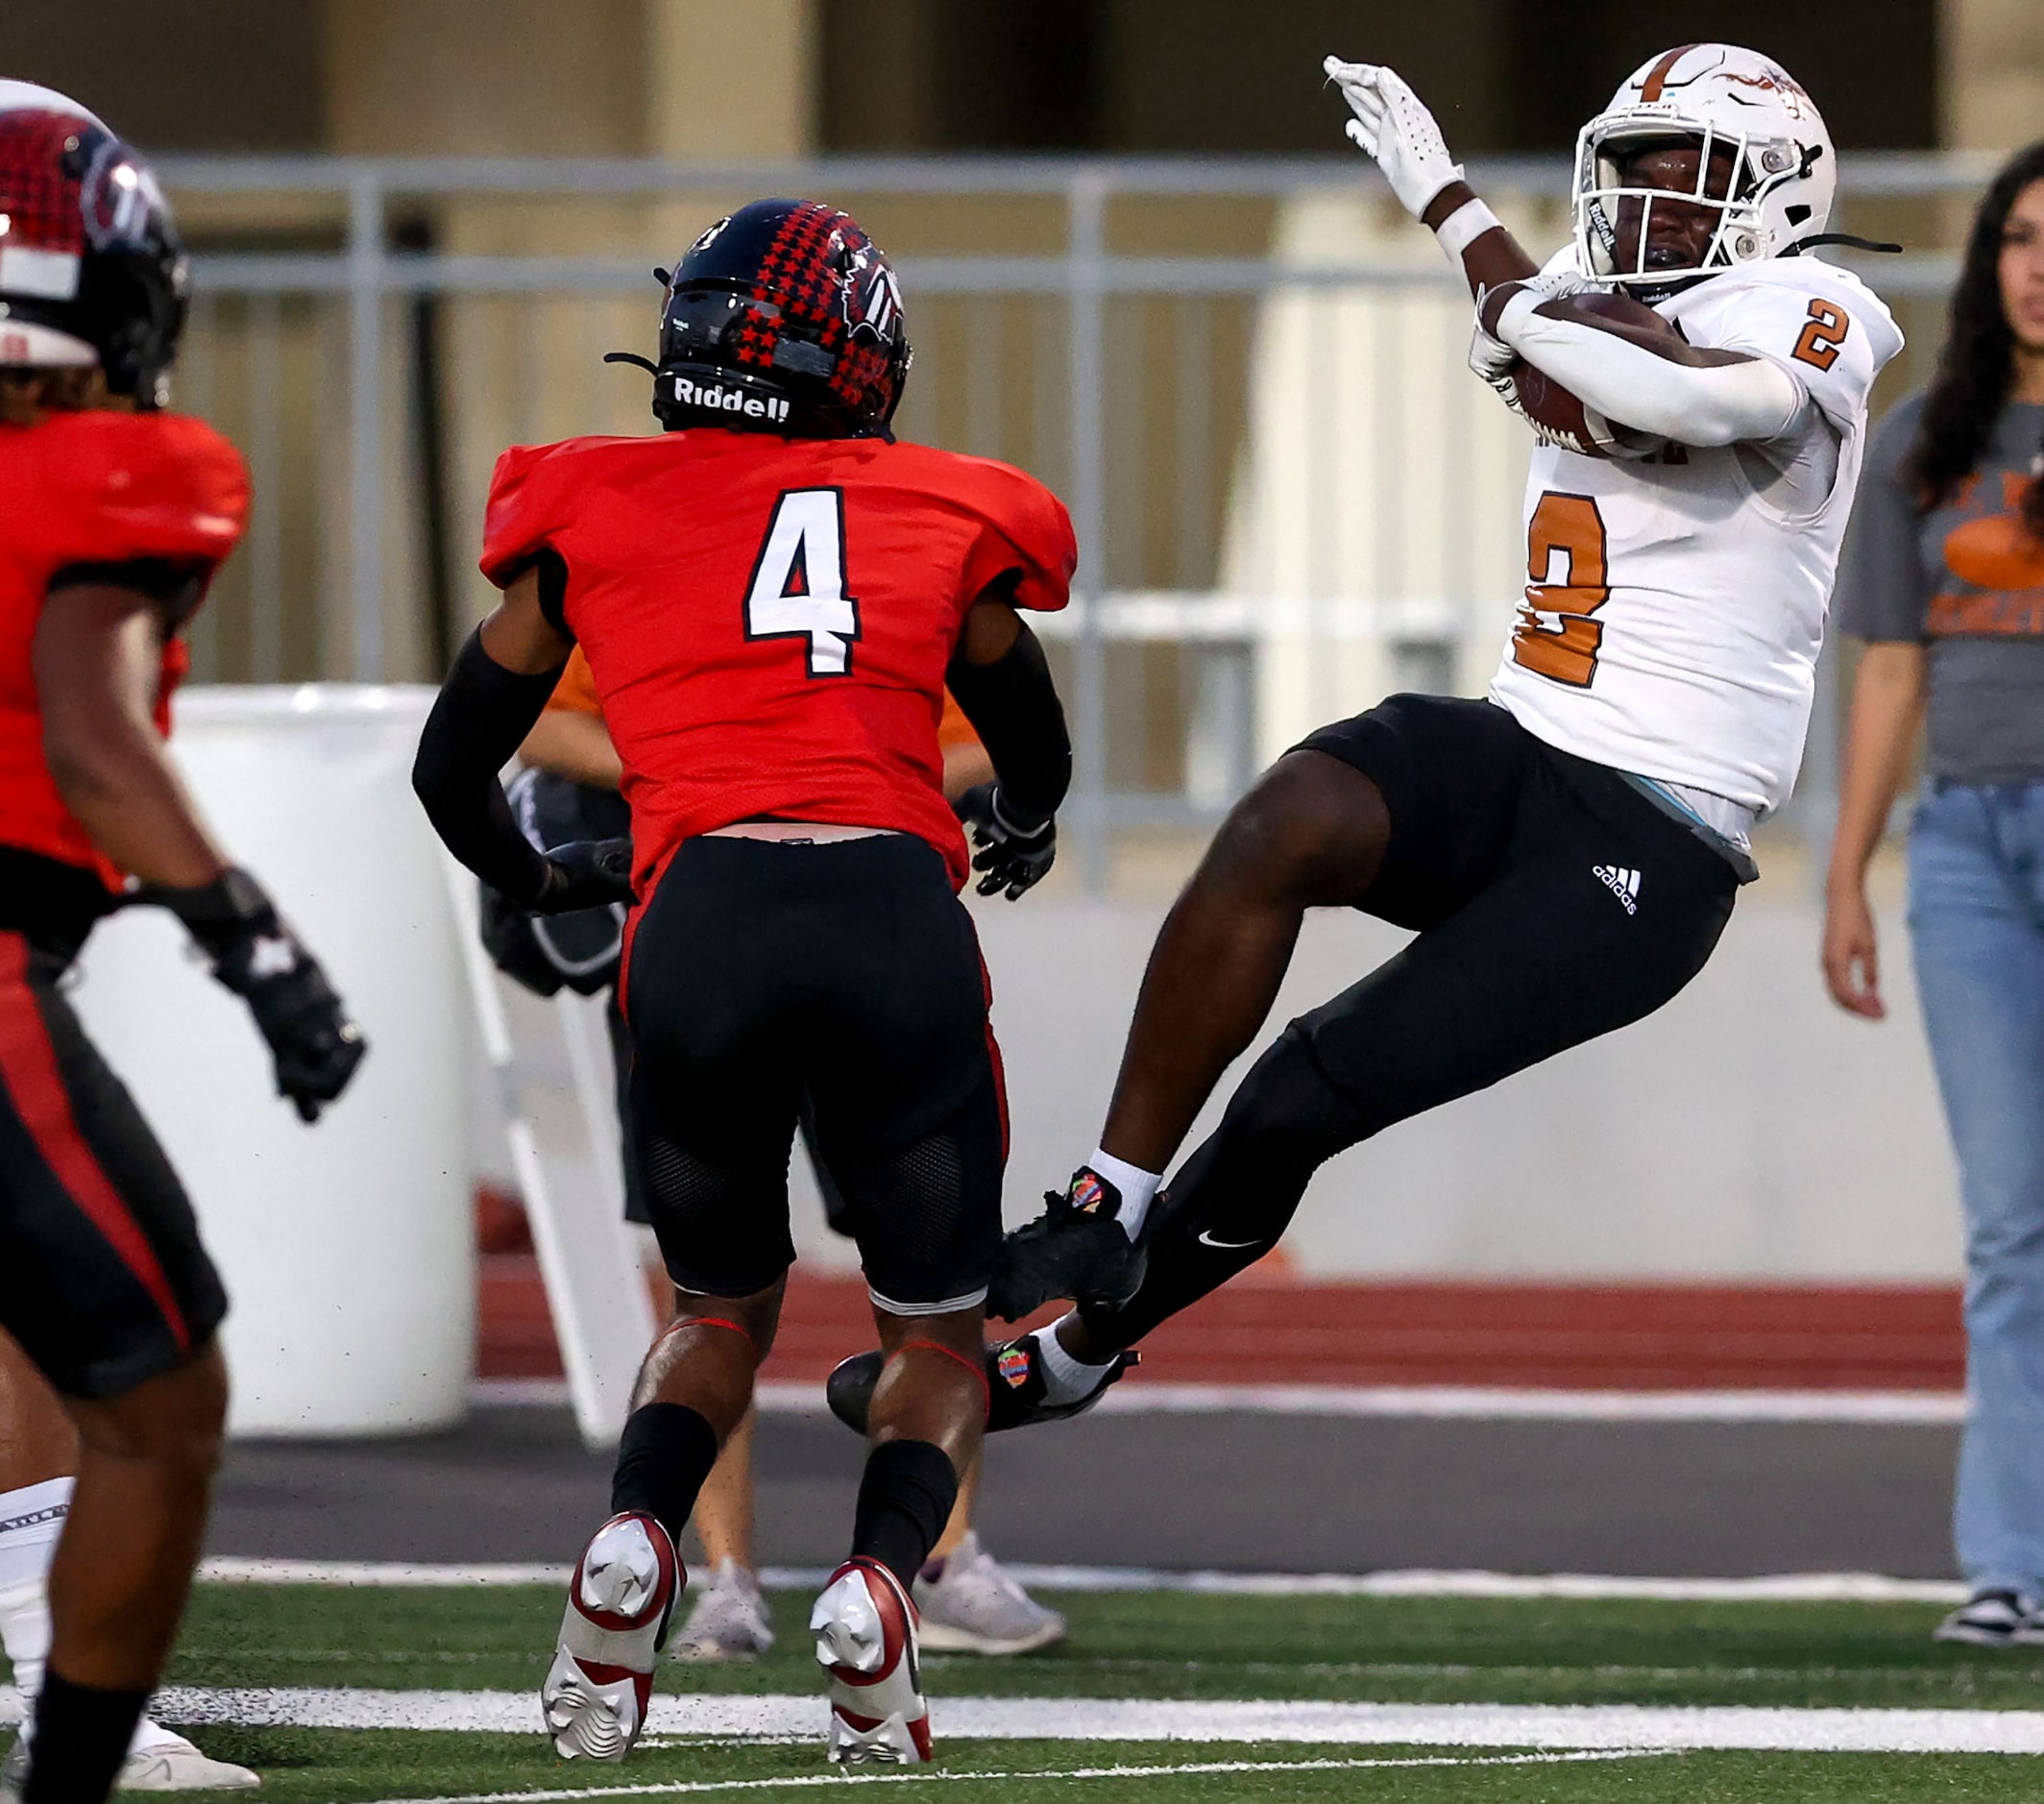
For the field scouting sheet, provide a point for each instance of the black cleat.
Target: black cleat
(1076, 1248)
(1014, 1387)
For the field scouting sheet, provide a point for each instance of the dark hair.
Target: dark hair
(1977, 367)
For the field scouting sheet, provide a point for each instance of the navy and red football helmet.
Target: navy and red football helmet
(91, 268)
(782, 317)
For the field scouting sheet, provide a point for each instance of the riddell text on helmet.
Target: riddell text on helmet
(720, 400)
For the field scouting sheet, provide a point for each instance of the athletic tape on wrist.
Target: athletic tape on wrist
(1462, 226)
(978, 1371)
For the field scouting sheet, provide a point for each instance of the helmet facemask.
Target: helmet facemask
(1615, 217)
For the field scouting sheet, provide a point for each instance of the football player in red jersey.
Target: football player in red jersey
(772, 596)
(113, 515)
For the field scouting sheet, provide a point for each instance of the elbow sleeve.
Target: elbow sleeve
(477, 722)
(1705, 406)
(1013, 707)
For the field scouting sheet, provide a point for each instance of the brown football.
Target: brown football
(1554, 407)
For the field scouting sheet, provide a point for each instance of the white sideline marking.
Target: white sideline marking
(681, 1787)
(1135, 1397)
(1588, 1587)
(1544, 1726)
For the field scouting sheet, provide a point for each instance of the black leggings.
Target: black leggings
(1554, 903)
(763, 976)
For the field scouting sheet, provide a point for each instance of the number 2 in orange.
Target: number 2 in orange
(1566, 578)
(1822, 335)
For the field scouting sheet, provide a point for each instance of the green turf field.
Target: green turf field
(1147, 1646)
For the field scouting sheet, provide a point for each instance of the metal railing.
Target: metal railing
(1243, 377)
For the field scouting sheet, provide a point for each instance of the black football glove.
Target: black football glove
(1013, 855)
(314, 1044)
(585, 874)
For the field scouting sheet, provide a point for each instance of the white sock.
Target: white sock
(1066, 1379)
(1136, 1186)
(31, 1519)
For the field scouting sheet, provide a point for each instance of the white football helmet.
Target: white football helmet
(1717, 97)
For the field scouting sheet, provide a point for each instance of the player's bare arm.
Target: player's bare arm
(98, 660)
(1000, 678)
(493, 695)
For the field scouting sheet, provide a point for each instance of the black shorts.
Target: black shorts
(103, 1279)
(1554, 903)
(849, 972)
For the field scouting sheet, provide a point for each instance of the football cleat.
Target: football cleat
(1076, 1249)
(158, 1760)
(1017, 1393)
(620, 1602)
(866, 1630)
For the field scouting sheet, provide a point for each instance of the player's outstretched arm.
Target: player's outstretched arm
(1647, 377)
(1394, 126)
(1001, 679)
(491, 698)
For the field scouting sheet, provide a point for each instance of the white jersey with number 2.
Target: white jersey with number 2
(1674, 607)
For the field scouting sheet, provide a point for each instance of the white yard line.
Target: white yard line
(1778, 1588)
(1442, 1402)
(697, 1787)
(1542, 1726)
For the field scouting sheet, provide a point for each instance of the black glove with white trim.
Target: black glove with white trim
(1013, 855)
(315, 1045)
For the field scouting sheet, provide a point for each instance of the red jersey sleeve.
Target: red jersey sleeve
(1025, 545)
(163, 486)
(521, 516)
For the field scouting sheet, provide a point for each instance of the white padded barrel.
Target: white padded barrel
(347, 1247)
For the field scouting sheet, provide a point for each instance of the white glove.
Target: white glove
(1394, 126)
(1488, 356)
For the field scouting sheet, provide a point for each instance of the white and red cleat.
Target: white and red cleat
(866, 1630)
(620, 1602)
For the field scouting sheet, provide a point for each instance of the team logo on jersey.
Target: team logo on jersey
(1013, 1365)
(1090, 1193)
(1622, 883)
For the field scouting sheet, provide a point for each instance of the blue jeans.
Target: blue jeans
(1976, 927)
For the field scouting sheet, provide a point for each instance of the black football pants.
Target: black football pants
(1554, 903)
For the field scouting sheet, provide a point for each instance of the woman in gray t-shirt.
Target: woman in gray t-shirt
(1944, 576)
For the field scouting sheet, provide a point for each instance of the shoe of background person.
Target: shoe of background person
(2031, 1632)
(728, 1620)
(158, 1760)
(1992, 1618)
(1076, 1248)
(865, 1625)
(970, 1606)
(620, 1602)
(1015, 1386)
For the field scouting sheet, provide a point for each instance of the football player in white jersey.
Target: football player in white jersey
(1569, 848)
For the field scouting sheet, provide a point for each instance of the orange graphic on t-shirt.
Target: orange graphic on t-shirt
(2001, 564)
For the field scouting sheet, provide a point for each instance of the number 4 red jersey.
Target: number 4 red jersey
(768, 621)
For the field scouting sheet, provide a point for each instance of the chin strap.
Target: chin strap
(632, 356)
(1856, 242)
